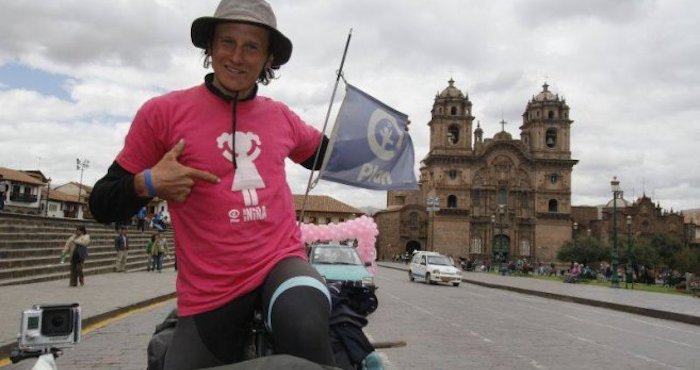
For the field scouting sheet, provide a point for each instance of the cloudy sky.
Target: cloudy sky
(73, 73)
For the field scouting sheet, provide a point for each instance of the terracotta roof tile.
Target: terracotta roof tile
(324, 203)
(19, 176)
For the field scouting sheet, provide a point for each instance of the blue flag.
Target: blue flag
(370, 146)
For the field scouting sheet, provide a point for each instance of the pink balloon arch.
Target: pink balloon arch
(363, 229)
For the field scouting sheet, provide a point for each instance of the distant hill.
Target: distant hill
(370, 211)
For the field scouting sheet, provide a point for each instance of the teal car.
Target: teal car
(337, 262)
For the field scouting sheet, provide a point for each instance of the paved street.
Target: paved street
(473, 327)
(468, 327)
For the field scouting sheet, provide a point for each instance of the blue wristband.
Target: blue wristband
(149, 183)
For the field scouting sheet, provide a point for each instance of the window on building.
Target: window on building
(452, 201)
(551, 138)
(502, 196)
(400, 200)
(553, 178)
(525, 201)
(453, 134)
(312, 220)
(452, 174)
(453, 111)
(476, 246)
(476, 197)
(553, 205)
(525, 248)
(413, 219)
(550, 114)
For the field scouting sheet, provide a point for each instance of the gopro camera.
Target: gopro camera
(45, 326)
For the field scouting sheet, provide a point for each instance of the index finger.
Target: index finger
(203, 175)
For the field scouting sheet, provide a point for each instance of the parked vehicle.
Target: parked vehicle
(432, 268)
(340, 263)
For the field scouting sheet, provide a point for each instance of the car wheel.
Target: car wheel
(427, 278)
(455, 284)
(410, 276)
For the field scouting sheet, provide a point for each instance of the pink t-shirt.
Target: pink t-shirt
(228, 235)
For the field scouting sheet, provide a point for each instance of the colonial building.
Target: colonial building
(641, 218)
(24, 191)
(497, 198)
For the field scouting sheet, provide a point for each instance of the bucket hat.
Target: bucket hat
(256, 12)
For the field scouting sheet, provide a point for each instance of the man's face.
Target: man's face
(239, 53)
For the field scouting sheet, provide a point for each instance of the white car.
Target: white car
(433, 268)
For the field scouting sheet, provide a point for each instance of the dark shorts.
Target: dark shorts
(219, 336)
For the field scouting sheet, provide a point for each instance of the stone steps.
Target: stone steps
(30, 248)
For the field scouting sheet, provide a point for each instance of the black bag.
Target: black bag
(160, 341)
(82, 252)
(348, 317)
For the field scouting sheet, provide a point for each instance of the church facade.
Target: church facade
(488, 199)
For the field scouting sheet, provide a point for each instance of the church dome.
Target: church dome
(621, 203)
(546, 94)
(503, 135)
(451, 91)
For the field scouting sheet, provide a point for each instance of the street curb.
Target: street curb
(650, 312)
(6, 348)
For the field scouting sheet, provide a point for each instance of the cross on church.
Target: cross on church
(503, 125)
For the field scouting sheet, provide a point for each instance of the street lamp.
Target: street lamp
(493, 233)
(433, 206)
(48, 193)
(501, 256)
(614, 279)
(630, 267)
(574, 227)
(80, 165)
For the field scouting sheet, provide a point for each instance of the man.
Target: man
(4, 188)
(141, 219)
(121, 245)
(216, 152)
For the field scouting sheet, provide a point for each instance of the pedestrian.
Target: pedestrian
(141, 219)
(121, 245)
(216, 153)
(4, 189)
(76, 249)
(160, 250)
(158, 221)
(149, 252)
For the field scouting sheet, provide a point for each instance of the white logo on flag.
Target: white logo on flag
(391, 135)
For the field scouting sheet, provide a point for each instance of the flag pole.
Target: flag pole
(325, 124)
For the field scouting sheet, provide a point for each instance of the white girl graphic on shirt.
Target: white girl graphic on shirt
(247, 178)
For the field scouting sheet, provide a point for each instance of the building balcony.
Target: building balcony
(23, 198)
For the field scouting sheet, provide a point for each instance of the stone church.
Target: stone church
(488, 199)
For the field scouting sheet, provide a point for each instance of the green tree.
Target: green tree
(586, 250)
(666, 247)
(687, 260)
(644, 253)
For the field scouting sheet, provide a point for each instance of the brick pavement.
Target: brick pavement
(682, 308)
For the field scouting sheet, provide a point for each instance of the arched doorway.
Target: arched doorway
(501, 248)
(411, 246)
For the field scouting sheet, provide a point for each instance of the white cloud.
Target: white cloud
(627, 70)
